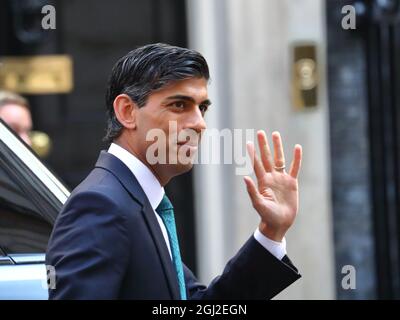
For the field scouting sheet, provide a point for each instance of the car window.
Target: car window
(30, 197)
(22, 229)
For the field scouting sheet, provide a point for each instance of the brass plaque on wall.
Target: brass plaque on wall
(44, 74)
(305, 76)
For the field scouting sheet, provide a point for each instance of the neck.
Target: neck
(123, 143)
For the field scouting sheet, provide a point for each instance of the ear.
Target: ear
(125, 111)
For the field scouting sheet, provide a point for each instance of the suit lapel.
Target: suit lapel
(112, 164)
(158, 239)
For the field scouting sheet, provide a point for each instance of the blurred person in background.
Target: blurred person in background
(15, 111)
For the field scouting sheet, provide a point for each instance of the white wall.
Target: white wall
(247, 43)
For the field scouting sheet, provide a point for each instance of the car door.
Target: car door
(30, 199)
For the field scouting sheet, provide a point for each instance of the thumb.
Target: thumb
(252, 190)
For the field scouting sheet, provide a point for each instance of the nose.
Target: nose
(196, 121)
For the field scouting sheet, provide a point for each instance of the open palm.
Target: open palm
(276, 196)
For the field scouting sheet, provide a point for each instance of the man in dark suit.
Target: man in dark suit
(115, 237)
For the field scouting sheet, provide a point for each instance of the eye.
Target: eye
(178, 104)
(203, 108)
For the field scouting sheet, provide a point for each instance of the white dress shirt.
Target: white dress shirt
(155, 192)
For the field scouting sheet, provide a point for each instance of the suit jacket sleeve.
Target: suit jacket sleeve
(88, 248)
(254, 273)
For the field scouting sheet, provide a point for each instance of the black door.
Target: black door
(364, 102)
(381, 34)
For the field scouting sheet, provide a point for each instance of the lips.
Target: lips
(188, 144)
(193, 143)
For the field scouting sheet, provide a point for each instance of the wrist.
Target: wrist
(273, 234)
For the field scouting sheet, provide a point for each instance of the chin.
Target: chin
(183, 168)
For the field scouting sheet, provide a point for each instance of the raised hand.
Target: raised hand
(276, 196)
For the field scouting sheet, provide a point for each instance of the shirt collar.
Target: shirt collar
(149, 183)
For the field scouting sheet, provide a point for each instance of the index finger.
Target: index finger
(258, 167)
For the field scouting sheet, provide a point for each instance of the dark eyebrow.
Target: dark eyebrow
(206, 102)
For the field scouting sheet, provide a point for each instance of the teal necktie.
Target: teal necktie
(166, 212)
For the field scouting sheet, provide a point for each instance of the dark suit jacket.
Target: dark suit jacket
(107, 244)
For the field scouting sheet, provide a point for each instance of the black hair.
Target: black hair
(145, 70)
